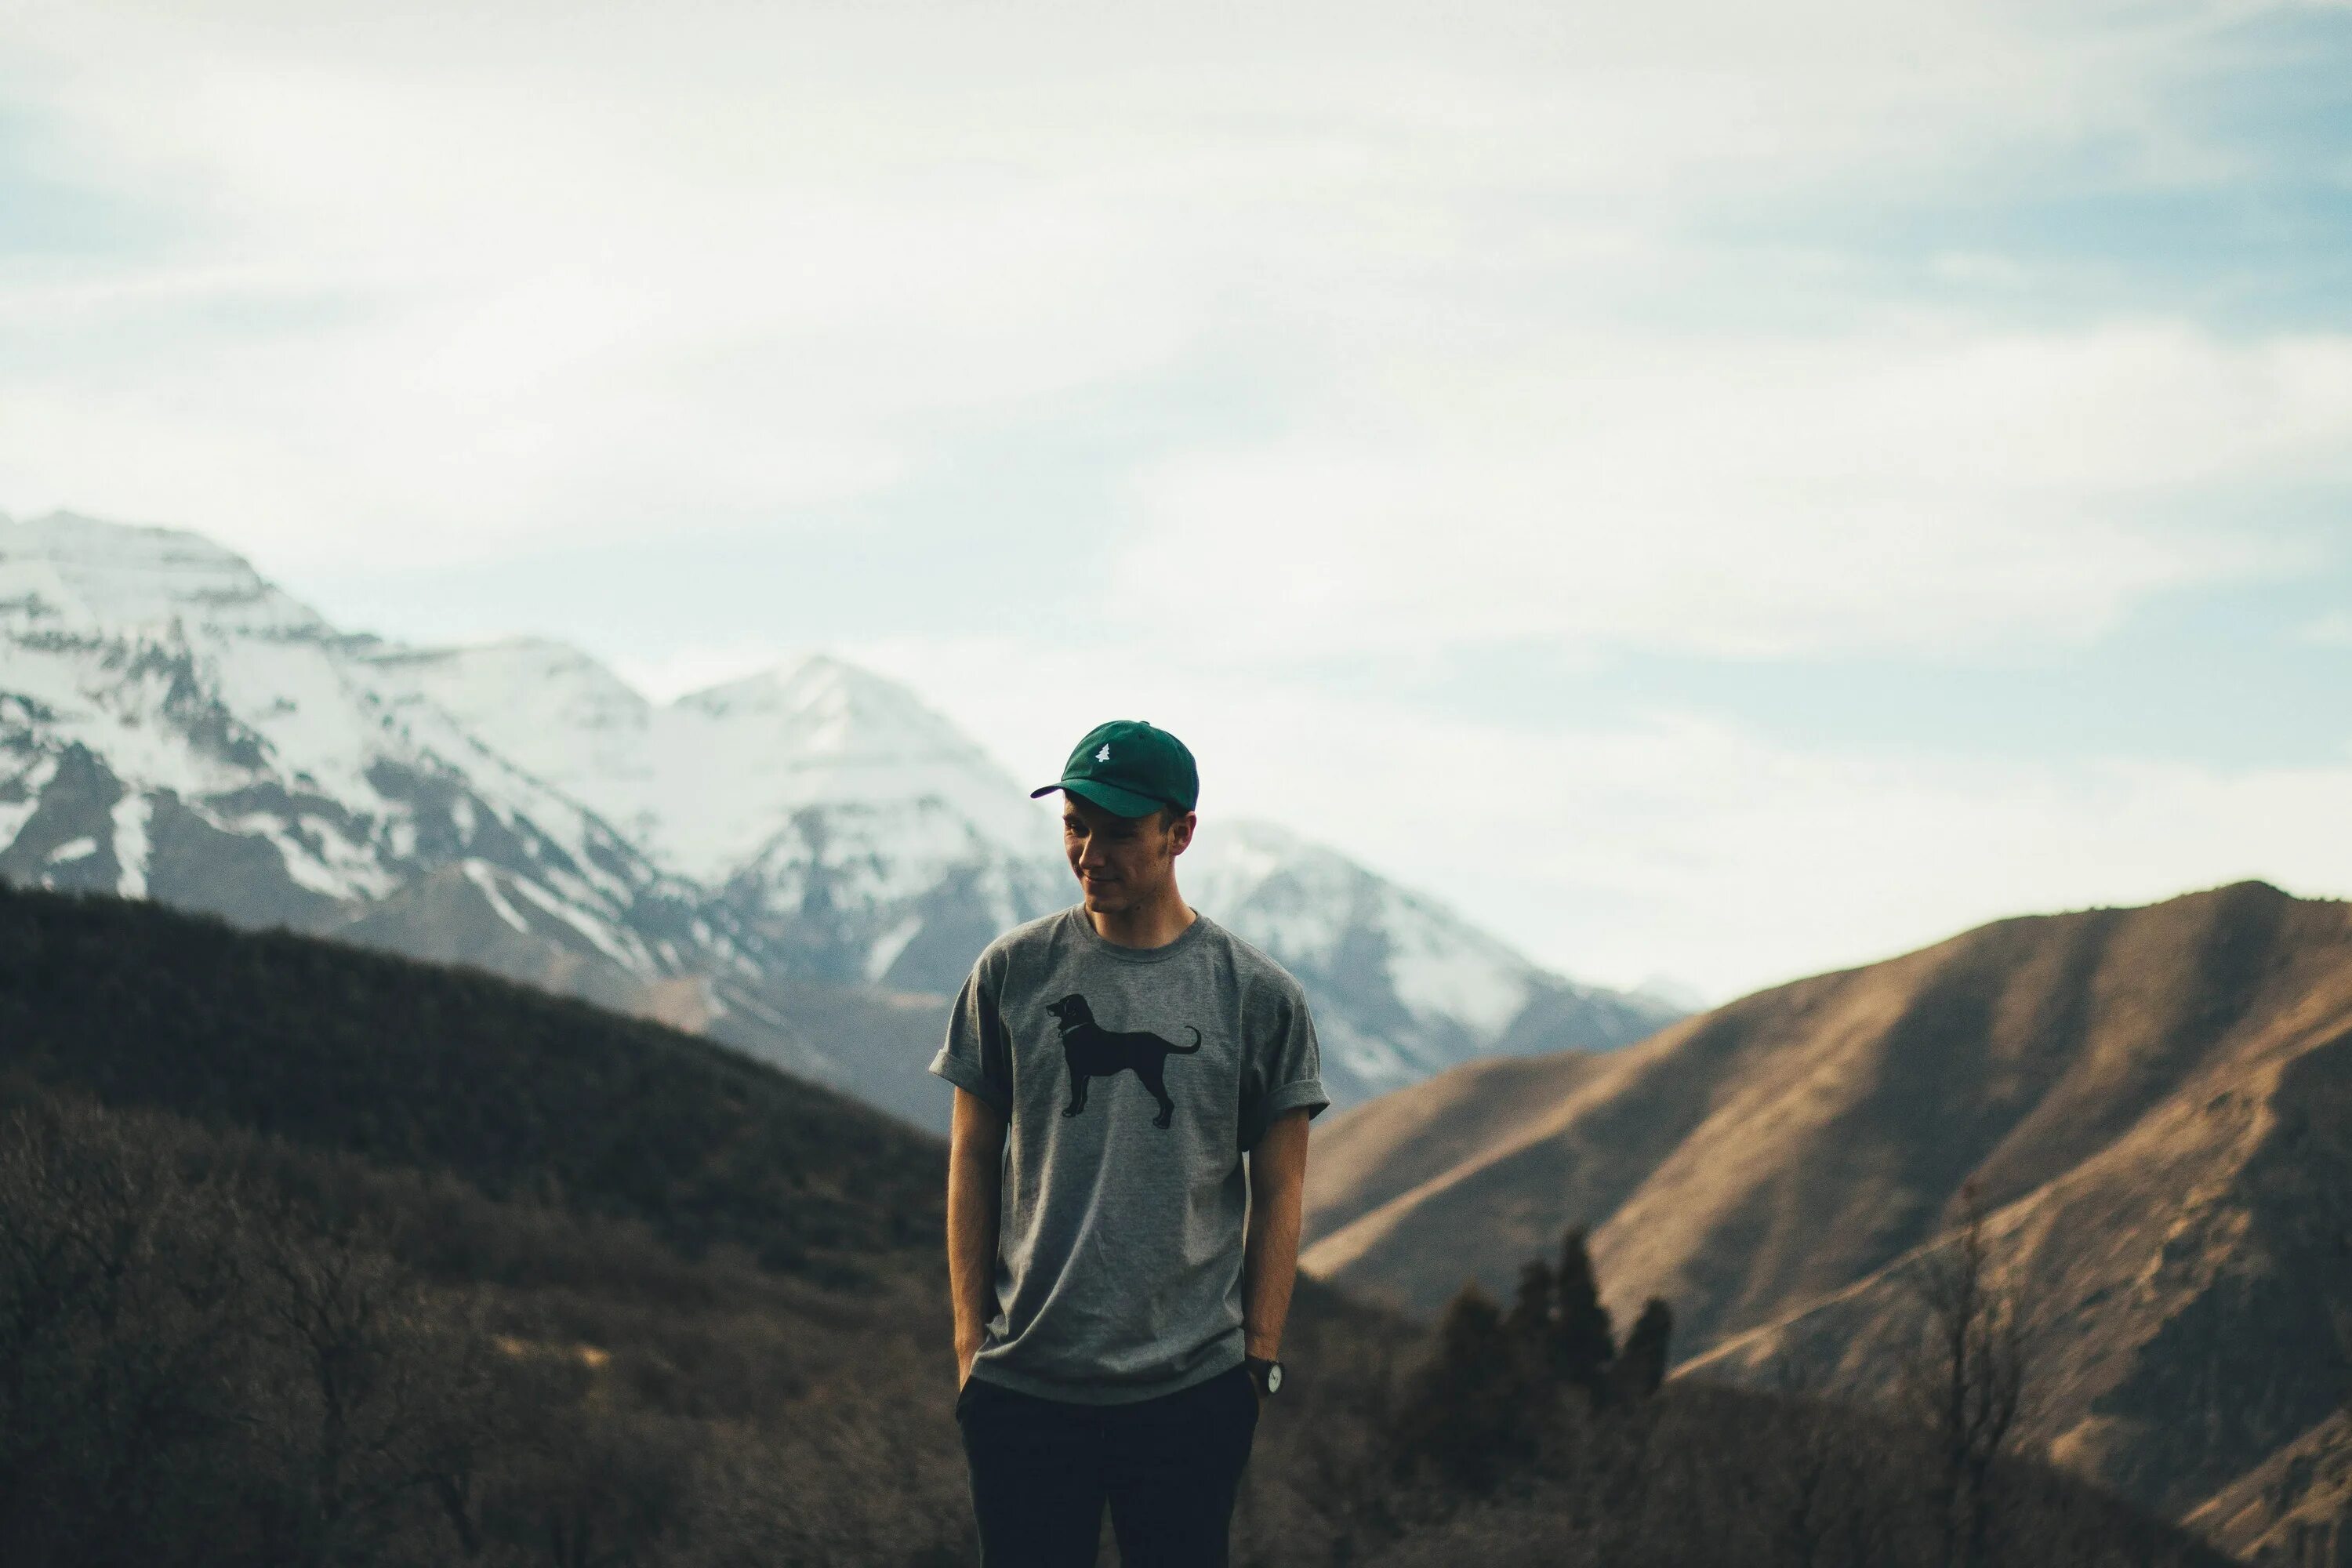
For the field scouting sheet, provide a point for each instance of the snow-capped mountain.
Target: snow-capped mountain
(871, 840)
(789, 861)
(172, 725)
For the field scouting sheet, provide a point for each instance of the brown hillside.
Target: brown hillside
(2157, 1104)
(2296, 1506)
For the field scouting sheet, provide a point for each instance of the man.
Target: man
(1133, 1084)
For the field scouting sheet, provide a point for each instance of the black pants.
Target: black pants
(1043, 1470)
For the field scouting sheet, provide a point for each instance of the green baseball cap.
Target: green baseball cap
(1130, 769)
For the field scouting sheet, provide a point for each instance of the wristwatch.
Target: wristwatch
(1266, 1374)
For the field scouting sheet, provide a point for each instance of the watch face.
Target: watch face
(1273, 1376)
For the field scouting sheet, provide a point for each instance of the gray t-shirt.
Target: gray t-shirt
(1131, 1081)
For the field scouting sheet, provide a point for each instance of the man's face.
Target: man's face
(1122, 862)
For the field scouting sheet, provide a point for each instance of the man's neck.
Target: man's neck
(1154, 924)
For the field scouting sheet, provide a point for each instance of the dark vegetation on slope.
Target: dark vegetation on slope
(517, 1092)
(263, 1302)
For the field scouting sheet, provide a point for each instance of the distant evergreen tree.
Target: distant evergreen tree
(1641, 1364)
(1470, 1335)
(1486, 1413)
(1530, 1320)
(1470, 1418)
(1582, 1343)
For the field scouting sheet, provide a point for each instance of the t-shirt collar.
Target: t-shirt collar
(1185, 940)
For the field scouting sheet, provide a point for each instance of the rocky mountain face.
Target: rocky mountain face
(1402, 986)
(2153, 1105)
(801, 863)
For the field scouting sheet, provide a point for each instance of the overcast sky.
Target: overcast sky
(1713, 489)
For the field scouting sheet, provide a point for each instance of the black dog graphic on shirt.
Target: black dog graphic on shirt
(1094, 1052)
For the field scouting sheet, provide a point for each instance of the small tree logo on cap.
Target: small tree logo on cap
(1103, 755)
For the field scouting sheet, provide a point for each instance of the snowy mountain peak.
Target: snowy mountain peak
(65, 572)
(822, 731)
(830, 705)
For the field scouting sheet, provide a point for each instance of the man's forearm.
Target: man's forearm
(1270, 1248)
(971, 1250)
(974, 1191)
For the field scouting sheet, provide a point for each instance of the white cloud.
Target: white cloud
(1744, 496)
(592, 272)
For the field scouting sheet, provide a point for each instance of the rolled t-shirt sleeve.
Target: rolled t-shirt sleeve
(976, 1054)
(1285, 1064)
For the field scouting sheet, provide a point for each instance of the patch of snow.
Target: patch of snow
(596, 931)
(1442, 966)
(13, 815)
(130, 815)
(28, 783)
(71, 850)
(481, 874)
(868, 854)
(884, 953)
(307, 870)
(1229, 860)
(1373, 1058)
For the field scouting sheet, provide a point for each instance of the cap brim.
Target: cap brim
(1110, 798)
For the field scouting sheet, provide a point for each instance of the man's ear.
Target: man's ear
(1180, 832)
